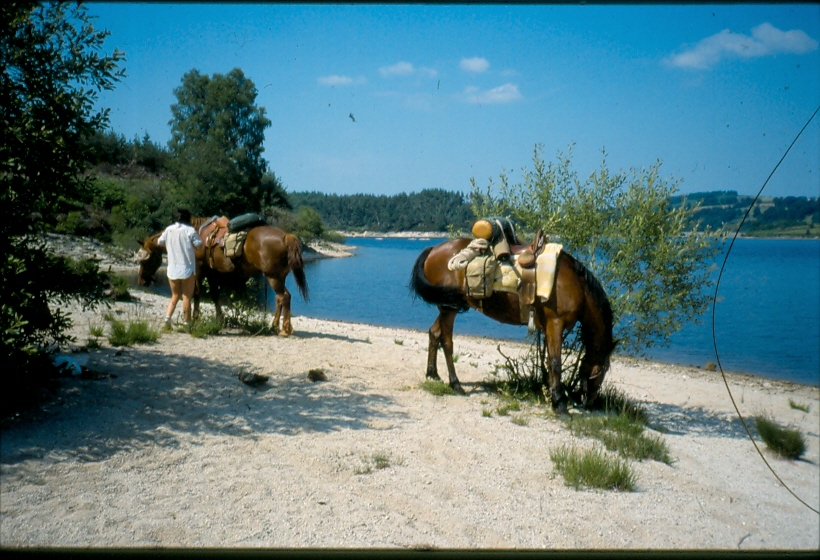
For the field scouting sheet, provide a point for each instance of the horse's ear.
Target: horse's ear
(140, 242)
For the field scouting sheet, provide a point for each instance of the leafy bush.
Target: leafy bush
(623, 227)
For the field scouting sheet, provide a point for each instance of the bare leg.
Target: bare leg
(176, 294)
(188, 286)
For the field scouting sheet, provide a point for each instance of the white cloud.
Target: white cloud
(398, 69)
(502, 94)
(766, 40)
(335, 80)
(475, 64)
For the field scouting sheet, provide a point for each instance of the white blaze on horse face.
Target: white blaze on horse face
(142, 256)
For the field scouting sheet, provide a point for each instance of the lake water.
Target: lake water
(767, 319)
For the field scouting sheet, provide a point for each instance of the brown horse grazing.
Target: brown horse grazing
(577, 296)
(268, 250)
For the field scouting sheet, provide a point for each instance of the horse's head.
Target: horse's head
(149, 257)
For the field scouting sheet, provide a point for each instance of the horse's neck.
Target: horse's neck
(198, 221)
(153, 242)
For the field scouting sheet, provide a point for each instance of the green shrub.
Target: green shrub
(612, 400)
(205, 325)
(798, 406)
(621, 435)
(437, 387)
(592, 469)
(133, 332)
(785, 442)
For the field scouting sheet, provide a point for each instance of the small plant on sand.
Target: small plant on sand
(398, 342)
(130, 332)
(612, 400)
(96, 330)
(118, 287)
(785, 442)
(436, 387)
(486, 412)
(798, 406)
(520, 420)
(621, 435)
(377, 461)
(205, 325)
(592, 469)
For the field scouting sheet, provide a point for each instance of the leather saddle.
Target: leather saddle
(212, 233)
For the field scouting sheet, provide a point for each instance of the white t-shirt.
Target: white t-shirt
(179, 241)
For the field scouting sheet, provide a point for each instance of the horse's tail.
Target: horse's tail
(296, 264)
(442, 296)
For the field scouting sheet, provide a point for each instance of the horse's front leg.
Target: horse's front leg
(434, 341)
(551, 375)
(445, 321)
(197, 288)
(214, 289)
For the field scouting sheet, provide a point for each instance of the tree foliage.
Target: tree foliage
(428, 210)
(53, 68)
(217, 133)
(625, 230)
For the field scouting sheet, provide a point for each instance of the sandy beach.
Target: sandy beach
(162, 445)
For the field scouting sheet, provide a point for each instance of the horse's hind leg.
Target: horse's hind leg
(554, 332)
(282, 310)
(441, 334)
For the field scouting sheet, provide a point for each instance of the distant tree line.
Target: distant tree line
(428, 210)
(725, 209)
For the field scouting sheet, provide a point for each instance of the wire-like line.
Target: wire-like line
(714, 302)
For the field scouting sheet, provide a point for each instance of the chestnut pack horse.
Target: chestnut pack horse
(577, 296)
(268, 250)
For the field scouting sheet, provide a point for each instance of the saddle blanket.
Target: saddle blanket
(507, 279)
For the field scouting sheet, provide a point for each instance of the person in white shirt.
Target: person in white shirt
(179, 240)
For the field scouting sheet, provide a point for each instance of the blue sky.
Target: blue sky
(399, 98)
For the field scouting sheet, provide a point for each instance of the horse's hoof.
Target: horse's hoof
(457, 389)
(433, 377)
(560, 408)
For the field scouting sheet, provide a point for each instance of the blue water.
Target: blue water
(767, 319)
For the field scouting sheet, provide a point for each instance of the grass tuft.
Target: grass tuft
(785, 442)
(799, 406)
(592, 469)
(612, 400)
(205, 325)
(377, 461)
(621, 435)
(137, 331)
(436, 387)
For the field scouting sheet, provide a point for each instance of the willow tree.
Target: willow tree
(649, 255)
(217, 132)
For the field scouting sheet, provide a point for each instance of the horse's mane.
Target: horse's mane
(596, 290)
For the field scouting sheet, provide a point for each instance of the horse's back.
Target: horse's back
(435, 265)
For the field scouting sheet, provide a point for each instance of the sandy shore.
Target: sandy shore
(162, 445)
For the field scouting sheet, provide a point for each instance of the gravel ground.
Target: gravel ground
(161, 445)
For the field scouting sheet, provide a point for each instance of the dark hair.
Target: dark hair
(183, 215)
